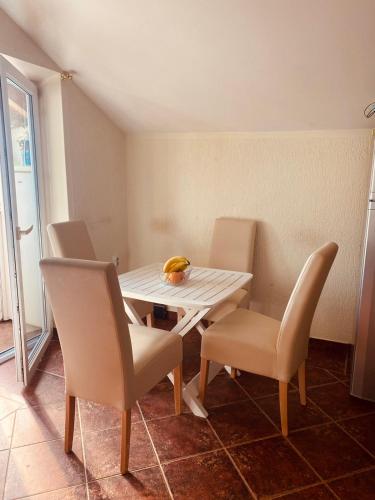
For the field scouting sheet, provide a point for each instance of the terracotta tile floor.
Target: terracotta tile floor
(237, 453)
(6, 334)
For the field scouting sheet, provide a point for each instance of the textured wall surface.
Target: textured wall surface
(303, 188)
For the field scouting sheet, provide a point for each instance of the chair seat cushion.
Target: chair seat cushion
(231, 304)
(155, 354)
(243, 339)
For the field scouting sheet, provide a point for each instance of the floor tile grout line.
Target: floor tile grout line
(288, 440)
(232, 461)
(294, 389)
(51, 440)
(8, 414)
(131, 471)
(327, 482)
(372, 455)
(330, 422)
(28, 406)
(304, 459)
(360, 415)
(254, 440)
(156, 453)
(10, 399)
(333, 422)
(61, 438)
(350, 474)
(257, 405)
(281, 494)
(337, 423)
(49, 373)
(193, 455)
(308, 427)
(8, 460)
(83, 444)
(316, 386)
(165, 416)
(231, 403)
(49, 491)
(40, 370)
(336, 377)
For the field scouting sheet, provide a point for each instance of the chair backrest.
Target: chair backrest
(71, 240)
(232, 244)
(292, 343)
(89, 313)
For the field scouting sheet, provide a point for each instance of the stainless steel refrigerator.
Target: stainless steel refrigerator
(363, 375)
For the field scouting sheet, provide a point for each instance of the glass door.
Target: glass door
(20, 160)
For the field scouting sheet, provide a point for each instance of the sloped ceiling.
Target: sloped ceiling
(213, 65)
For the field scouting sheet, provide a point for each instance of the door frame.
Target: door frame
(25, 366)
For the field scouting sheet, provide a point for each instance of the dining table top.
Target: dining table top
(205, 288)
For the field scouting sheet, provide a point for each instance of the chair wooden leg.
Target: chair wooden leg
(302, 383)
(149, 321)
(177, 381)
(205, 363)
(70, 411)
(125, 440)
(233, 373)
(283, 399)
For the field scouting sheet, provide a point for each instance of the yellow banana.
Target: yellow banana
(178, 262)
(178, 266)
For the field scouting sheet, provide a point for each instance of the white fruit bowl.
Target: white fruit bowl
(176, 278)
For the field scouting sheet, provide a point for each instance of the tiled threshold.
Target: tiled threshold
(237, 453)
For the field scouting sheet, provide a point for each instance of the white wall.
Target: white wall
(303, 189)
(93, 185)
(95, 160)
(54, 182)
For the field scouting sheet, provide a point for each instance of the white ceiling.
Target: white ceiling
(213, 65)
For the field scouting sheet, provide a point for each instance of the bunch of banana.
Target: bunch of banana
(176, 264)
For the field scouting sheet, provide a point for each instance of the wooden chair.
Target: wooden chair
(105, 359)
(71, 240)
(258, 344)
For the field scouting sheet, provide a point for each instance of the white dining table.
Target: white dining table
(205, 289)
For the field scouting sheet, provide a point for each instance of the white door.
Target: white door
(20, 162)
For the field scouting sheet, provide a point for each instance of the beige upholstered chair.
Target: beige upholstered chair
(105, 359)
(262, 345)
(232, 248)
(71, 240)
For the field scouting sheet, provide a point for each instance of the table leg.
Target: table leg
(201, 329)
(191, 399)
(214, 369)
(189, 321)
(132, 313)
